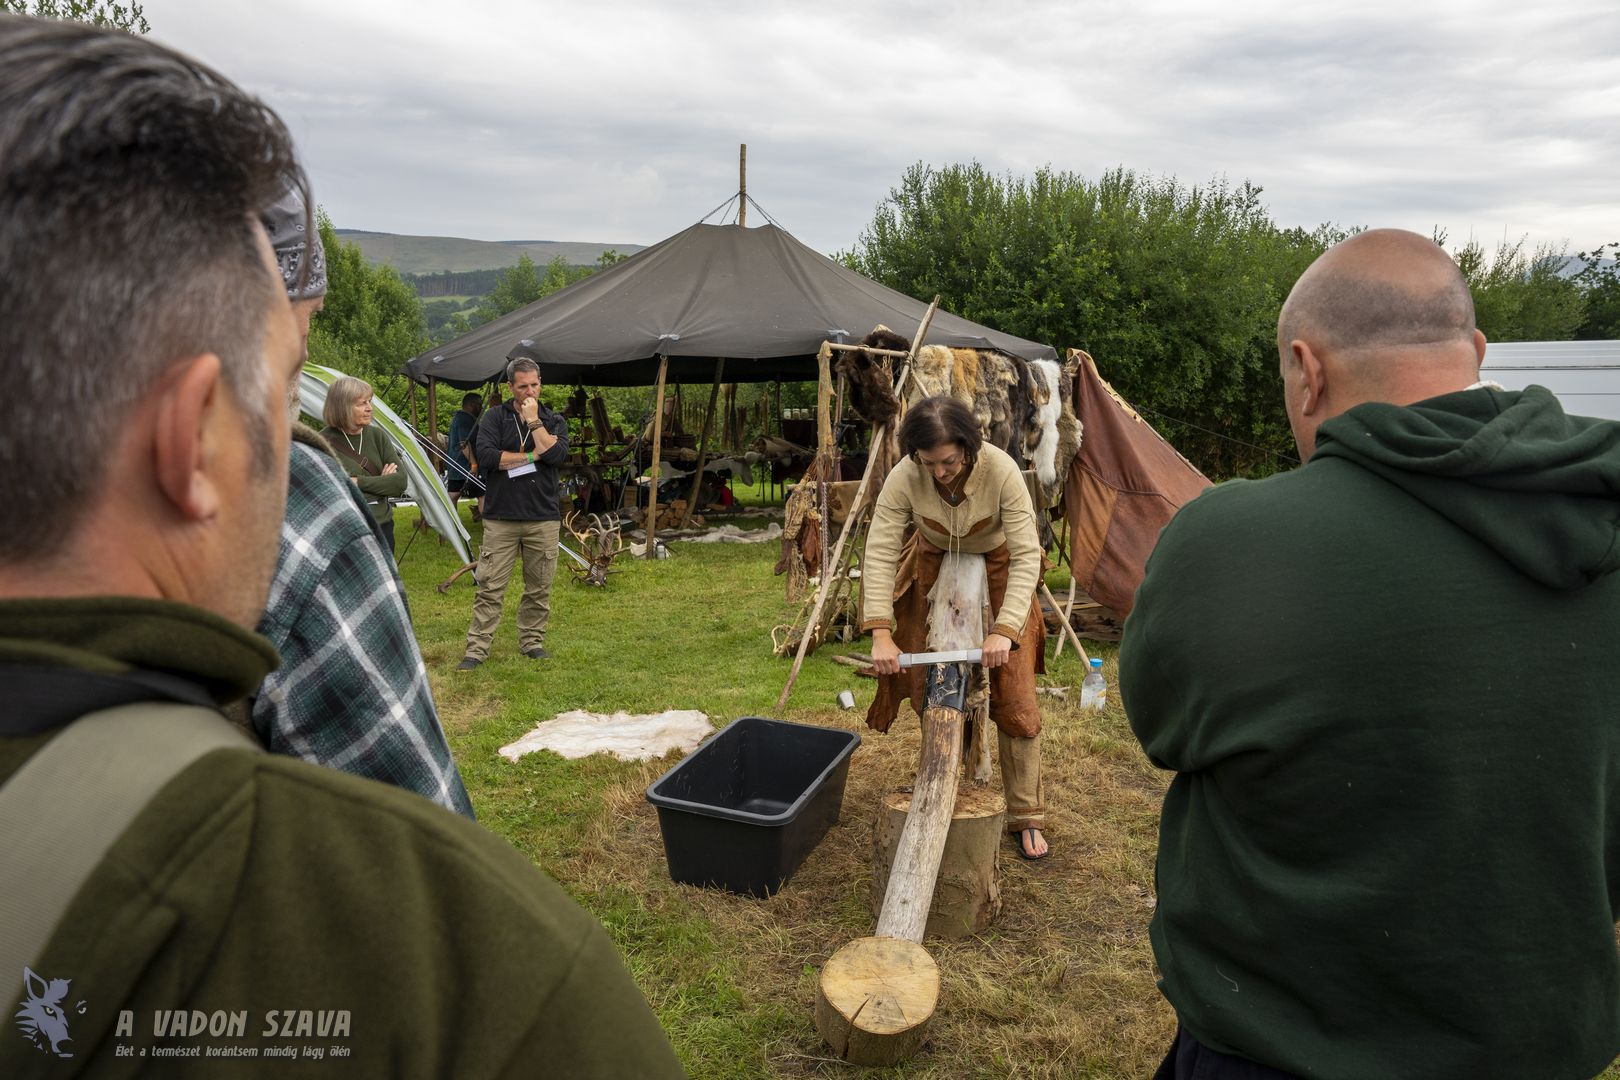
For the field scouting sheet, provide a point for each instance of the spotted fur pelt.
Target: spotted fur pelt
(871, 387)
(930, 373)
(1042, 440)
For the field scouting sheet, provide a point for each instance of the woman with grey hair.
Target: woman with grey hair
(365, 453)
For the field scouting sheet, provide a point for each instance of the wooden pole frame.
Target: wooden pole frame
(1066, 631)
(826, 453)
(703, 444)
(854, 507)
(657, 446)
(433, 404)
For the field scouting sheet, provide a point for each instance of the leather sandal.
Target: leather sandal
(1024, 838)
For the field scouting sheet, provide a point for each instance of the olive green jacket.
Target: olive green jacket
(379, 450)
(259, 885)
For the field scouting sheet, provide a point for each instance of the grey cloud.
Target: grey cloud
(619, 122)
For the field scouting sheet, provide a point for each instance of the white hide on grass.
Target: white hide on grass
(731, 534)
(578, 734)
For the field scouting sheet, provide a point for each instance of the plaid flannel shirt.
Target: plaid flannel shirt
(352, 692)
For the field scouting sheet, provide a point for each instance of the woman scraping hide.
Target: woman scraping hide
(953, 492)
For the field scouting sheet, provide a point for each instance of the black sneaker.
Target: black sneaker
(537, 653)
(468, 664)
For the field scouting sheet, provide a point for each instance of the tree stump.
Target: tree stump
(875, 998)
(967, 890)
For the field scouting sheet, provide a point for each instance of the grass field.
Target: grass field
(1061, 986)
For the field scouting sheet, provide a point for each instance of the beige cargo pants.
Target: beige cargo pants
(504, 542)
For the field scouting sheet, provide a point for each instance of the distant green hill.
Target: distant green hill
(429, 254)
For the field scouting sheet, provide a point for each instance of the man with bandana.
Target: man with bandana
(352, 692)
(155, 862)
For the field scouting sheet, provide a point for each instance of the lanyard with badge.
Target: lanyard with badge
(528, 466)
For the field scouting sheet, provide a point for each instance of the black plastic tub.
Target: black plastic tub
(745, 808)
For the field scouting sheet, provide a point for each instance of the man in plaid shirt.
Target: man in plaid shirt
(352, 692)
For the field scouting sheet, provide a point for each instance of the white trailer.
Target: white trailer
(1584, 374)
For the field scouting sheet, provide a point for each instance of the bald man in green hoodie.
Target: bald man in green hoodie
(1389, 684)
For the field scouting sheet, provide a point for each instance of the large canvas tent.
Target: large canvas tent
(754, 297)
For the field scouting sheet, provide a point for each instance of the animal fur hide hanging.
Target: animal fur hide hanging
(1070, 432)
(931, 374)
(1048, 409)
(871, 384)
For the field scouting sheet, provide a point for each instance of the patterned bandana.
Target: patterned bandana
(284, 221)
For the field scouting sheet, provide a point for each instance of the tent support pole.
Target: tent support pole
(703, 443)
(415, 424)
(728, 439)
(825, 451)
(433, 405)
(658, 443)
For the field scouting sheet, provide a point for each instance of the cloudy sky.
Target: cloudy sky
(618, 122)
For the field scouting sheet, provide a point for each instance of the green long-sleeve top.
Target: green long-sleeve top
(377, 449)
(261, 885)
(1389, 684)
(995, 510)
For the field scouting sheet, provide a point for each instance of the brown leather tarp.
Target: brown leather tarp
(1123, 487)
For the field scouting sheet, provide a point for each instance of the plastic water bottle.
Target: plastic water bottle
(1093, 689)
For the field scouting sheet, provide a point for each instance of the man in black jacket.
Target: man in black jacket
(518, 447)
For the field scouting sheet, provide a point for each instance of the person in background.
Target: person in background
(368, 456)
(462, 474)
(351, 692)
(952, 491)
(156, 864)
(518, 447)
(1387, 684)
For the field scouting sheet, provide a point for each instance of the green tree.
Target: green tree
(523, 284)
(517, 286)
(371, 322)
(1174, 290)
(1519, 295)
(130, 18)
(1599, 282)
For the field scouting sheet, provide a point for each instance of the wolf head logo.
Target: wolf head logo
(43, 1017)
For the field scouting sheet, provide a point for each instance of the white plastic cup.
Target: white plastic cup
(846, 700)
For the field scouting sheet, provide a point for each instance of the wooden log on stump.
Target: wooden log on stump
(877, 994)
(922, 842)
(875, 999)
(967, 891)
